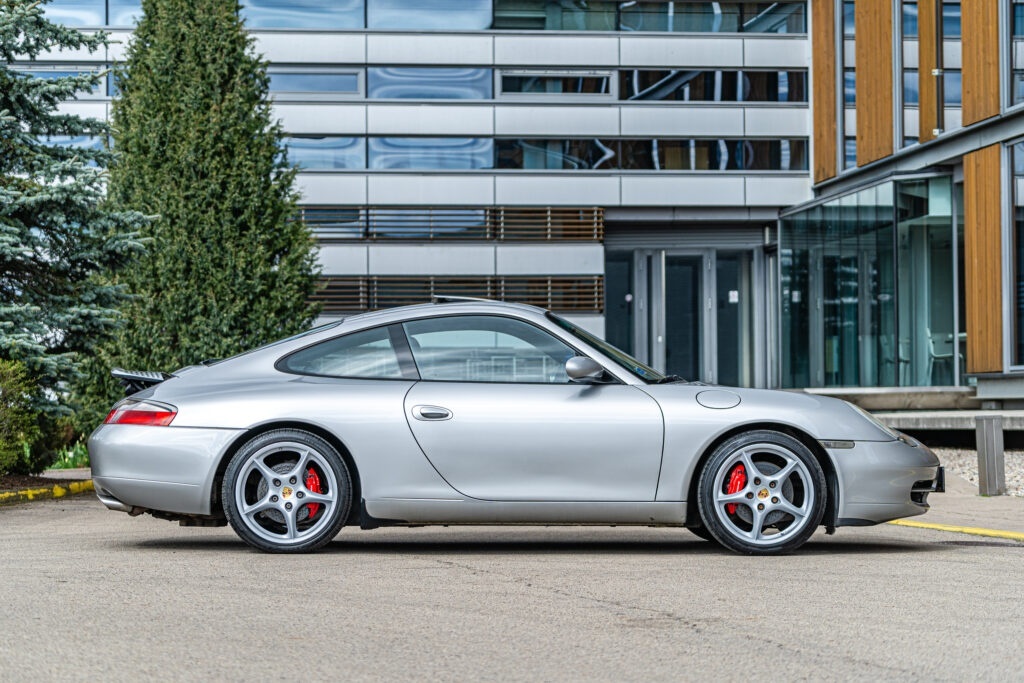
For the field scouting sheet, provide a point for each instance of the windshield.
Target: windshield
(621, 358)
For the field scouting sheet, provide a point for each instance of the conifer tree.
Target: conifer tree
(55, 233)
(228, 267)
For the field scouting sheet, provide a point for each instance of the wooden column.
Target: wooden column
(927, 61)
(874, 80)
(983, 282)
(823, 88)
(980, 44)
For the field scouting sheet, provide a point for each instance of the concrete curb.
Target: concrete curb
(55, 491)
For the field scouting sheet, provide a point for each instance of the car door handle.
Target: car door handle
(431, 413)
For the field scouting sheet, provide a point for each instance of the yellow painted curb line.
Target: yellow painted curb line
(57, 491)
(977, 531)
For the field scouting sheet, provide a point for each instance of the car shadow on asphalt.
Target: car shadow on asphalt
(349, 546)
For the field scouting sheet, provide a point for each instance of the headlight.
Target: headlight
(892, 433)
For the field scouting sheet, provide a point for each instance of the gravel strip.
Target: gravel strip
(964, 461)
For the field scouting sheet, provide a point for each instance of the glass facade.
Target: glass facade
(951, 20)
(909, 11)
(713, 86)
(787, 16)
(910, 87)
(443, 154)
(1017, 52)
(555, 15)
(653, 155)
(428, 15)
(429, 84)
(336, 153)
(867, 289)
(115, 13)
(326, 152)
(540, 84)
(1017, 347)
(697, 17)
(338, 14)
(306, 82)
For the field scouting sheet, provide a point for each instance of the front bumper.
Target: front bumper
(884, 480)
(168, 469)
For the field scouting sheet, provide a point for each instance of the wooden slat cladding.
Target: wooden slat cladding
(823, 88)
(927, 61)
(353, 294)
(980, 44)
(982, 260)
(874, 80)
(432, 223)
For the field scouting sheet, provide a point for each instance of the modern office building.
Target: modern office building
(796, 194)
(905, 270)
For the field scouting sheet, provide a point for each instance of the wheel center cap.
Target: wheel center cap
(286, 492)
(762, 494)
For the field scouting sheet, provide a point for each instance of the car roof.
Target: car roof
(441, 306)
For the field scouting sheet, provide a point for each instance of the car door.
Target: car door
(497, 417)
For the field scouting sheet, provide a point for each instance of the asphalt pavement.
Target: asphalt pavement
(93, 594)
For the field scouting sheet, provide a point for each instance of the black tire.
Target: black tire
(763, 514)
(287, 491)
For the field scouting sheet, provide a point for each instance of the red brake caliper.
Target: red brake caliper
(737, 480)
(313, 484)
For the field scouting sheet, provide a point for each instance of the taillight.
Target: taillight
(135, 412)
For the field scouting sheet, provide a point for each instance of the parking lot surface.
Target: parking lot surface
(94, 594)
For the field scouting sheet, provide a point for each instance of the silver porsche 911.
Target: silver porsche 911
(476, 412)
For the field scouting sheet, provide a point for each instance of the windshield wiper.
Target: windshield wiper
(670, 379)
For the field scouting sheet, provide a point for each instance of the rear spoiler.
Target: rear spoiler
(135, 381)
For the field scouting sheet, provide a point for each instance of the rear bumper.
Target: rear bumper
(169, 469)
(881, 481)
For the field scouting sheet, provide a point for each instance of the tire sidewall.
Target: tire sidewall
(333, 459)
(706, 492)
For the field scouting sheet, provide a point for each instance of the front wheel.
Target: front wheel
(287, 491)
(761, 493)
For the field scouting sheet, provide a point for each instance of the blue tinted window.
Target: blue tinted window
(326, 153)
(910, 93)
(76, 12)
(431, 153)
(951, 85)
(849, 152)
(910, 20)
(467, 15)
(849, 23)
(314, 82)
(950, 20)
(429, 84)
(303, 14)
(124, 12)
(849, 87)
(1018, 20)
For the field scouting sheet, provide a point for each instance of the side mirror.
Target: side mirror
(584, 370)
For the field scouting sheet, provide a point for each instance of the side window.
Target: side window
(369, 354)
(486, 349)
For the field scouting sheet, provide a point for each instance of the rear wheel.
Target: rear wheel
(287, 491)
(762, 493)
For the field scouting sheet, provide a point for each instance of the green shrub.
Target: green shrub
(19, 427)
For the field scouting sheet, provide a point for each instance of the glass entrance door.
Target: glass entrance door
(699, 314)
